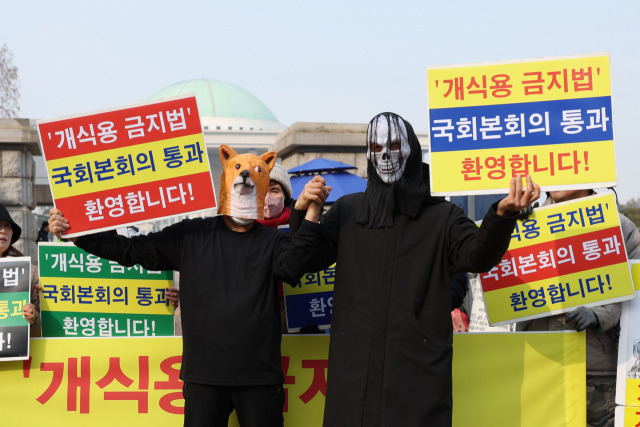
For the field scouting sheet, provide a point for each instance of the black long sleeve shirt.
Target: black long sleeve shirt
(228, 293)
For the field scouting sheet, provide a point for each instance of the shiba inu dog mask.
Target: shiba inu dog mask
(244, 183)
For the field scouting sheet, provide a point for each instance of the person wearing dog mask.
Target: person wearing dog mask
(390, 351)
(229, 266)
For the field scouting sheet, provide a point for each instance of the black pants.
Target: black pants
(210, 406)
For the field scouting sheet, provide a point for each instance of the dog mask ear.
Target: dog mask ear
(269, 158)
(226, 153)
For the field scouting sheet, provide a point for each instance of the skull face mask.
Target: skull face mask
(388, 147)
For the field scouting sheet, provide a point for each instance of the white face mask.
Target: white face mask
(273, 206)
(241, 221)
(388, 149)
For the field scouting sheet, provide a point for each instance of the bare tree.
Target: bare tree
(631, 210)
(9, 89)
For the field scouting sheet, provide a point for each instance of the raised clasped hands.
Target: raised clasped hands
(313, 196)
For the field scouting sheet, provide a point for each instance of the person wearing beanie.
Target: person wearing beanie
(9, 234)
(278, 200)
(276, 213)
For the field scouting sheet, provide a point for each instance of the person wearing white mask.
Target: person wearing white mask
(390, 351)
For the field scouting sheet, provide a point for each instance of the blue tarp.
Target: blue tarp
(342, 183)
(320, 165)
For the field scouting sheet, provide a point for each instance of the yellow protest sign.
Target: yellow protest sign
(84, 295)
(549, 118)
(127, 165)
(565, 255)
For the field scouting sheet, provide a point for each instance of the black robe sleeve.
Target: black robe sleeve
(459, 287)
(477, 250)
(318, 243)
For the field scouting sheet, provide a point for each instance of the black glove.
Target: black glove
(523, 215)
(583, 317)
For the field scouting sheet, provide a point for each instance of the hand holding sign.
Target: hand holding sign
(58, 224)
(518, 198)
(583, 317)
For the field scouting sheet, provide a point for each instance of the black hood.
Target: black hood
(404, 196)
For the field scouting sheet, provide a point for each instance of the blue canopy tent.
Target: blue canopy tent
(334, 173)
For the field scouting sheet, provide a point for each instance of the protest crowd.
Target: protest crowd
(400, 257)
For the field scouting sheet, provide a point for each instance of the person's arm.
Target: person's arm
(631, 237)
(309, 250)
(156, 251)
(312, 246)
(608, 316)
(459, 286)
(31, 310)
(478, 250)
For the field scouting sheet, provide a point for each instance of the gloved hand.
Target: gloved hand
(524, 214)
(583, 317)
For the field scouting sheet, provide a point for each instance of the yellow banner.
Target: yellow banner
(131, 165)
(527, 379)
(532, 80)
(519, 379)
(479, 171)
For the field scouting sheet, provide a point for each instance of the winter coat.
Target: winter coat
(390, 349)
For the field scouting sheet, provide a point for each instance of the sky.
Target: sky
(330, 61)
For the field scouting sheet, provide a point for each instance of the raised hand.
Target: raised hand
(315, 191)
(58, 224)
(518, 198)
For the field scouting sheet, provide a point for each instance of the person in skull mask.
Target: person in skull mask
(390, 350)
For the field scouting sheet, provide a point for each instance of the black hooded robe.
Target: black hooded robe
(390, 350)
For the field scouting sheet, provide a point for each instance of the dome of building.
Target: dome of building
(231, 105)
